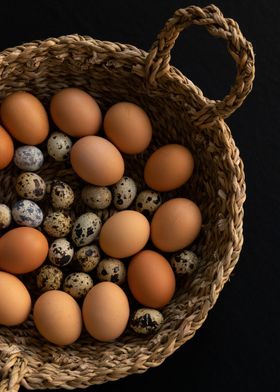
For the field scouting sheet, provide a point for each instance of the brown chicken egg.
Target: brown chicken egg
(97, 161)
(25, 118)
(75, 112)
(6, 148)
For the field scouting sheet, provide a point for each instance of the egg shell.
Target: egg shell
(62, 195)
(97, 161)
(111, 270)
(147, 202)
(184, 263)
(28, 158)
(5, 216)
(124, 234)
(98, 197)
(128, 127)
(57, 224)
(25, 118)
(151, 279)
(49, 278)
(30, 186)
(145, 321)
(88, 257)
(22, 250)
(75, 112)
(175, 224)
(61, 252)
(59, 146)
(15, 301)
(27, 213)
(86, 229)
(168, 168)
(57, 316)
(124, 192)
(105, 311)
(6, 148)
(78, 284)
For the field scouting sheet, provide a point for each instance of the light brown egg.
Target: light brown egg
(22, 250)
(175, 224)
(97, 161)
(106, 311)
(75, 112)
(151, 279)
(58, 317)
(124, 234)
(6, 148)
(25, 118)
(15, 301)
(128, 127)
(168, 168)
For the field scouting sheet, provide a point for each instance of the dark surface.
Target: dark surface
(237, 349)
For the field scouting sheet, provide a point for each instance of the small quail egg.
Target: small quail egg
(86, 229)
(62, 195)
(28, 158)
(30, 186)
(5, 216)
(57, 224)
(27, 213)
(145, 321)
(111, 270)
(61, 252)
(124, 192)
(49, 278)
(77, 284)
(184, 262)
(98, 197)
(59, 146)
(147, 202)
(88, 257)
(106, 213)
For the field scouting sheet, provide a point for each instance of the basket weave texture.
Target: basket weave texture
(113, 72)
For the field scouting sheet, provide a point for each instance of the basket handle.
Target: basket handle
(13, 371)
(158, 59)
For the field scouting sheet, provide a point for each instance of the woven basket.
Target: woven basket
(179, 112)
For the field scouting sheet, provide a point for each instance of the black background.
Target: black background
(237, 349)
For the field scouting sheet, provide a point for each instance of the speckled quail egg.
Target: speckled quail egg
(124, 192)
(28, 158)
(111, 270)
(5, 216)
(106, 213)
(27, 213)
(96, 197)
(86, 229)
(77, 284)
(88, 257)
(59, 146)
(49, 278)
(61, 252)
(147, 202)
(57, 224)
(30, 186)
(145, 321)
(62, 195)
(184, 262)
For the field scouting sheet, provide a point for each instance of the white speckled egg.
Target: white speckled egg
(145, 321)
(147, 202)
(27, 213)
(96, 197)
(28, 158)
(62, 195)
(61, 252)
(124, 192)
(88, 257)
(77, 284)
(49, 278)
(57, 224)
(30, 186)
(86, 229)
(184, 262)
(5, 216)
(59, 146)
(111, 270)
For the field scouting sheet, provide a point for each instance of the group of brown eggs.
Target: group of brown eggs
(143, 232)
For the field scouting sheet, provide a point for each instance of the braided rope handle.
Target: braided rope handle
(158, 59)
(13, 370)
